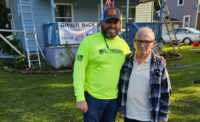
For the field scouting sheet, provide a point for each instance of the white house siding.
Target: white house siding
(144, 12)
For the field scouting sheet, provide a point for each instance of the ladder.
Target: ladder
(30, 37)
(175, 43)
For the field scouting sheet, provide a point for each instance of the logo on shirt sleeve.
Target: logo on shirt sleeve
(79, 57)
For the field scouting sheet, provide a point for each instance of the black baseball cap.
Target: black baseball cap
(110, 13)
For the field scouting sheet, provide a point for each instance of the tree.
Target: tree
(3, 15)
(156, 6)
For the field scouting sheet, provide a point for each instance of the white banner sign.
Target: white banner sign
(75, 32)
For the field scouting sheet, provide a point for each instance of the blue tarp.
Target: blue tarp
(51, 34)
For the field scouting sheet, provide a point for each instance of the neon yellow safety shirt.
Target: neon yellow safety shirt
(97, 67)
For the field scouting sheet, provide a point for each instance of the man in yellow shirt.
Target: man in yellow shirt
(97, 68)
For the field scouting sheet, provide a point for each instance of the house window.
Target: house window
(181, 31)
(180, 3)
(131, 17)
(63, 12)
(186, 21)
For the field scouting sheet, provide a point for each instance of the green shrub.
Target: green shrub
(7, 49)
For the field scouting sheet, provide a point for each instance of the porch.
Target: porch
(79, 11)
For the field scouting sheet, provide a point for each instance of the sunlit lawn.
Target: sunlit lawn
(185, 100)
(41, 97)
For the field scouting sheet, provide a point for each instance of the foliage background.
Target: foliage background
(3, 15)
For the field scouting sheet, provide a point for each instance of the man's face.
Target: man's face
(144, 43)
(110, 28)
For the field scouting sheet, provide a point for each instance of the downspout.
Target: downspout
(126, 27)
(52, 11)
(161, 13)
(197, 15)
(127, 8)
(152, 8)
(101, 6)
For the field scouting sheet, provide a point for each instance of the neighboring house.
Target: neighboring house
(185, 10)
(47, 12)
(175, 22)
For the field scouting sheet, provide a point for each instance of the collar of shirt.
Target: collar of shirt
(147, 60)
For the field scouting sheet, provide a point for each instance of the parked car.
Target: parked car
(184, 35)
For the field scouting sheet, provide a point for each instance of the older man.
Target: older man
(145, 83)
(97, 69)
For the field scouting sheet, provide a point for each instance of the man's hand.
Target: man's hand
(82, 106)
(163, 59)
(161, 121)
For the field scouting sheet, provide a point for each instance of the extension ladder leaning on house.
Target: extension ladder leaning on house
(30, 38)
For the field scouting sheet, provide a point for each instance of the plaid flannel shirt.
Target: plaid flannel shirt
(160, 87)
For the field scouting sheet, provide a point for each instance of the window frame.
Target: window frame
(184, 17)
(66, 4)
(180, 4)
(123, 29)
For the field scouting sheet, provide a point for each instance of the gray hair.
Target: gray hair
(145, 29)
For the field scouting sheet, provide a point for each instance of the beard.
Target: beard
(106, 33)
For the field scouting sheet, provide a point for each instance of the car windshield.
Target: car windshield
(171, 31)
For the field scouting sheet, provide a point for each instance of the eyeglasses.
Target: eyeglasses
(145, 42)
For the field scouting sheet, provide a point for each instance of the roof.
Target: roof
(156, 16)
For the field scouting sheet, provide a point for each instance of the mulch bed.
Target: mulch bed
(171, 56)
(167, 55)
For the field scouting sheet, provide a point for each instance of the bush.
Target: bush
(20, 63)
(169, 55)
(45, 66)
(7, 49)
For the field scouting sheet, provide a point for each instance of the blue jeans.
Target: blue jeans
(100, 110)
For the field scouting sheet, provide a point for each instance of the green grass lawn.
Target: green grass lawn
(185, 100)
(33, 97)
(41, 97)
